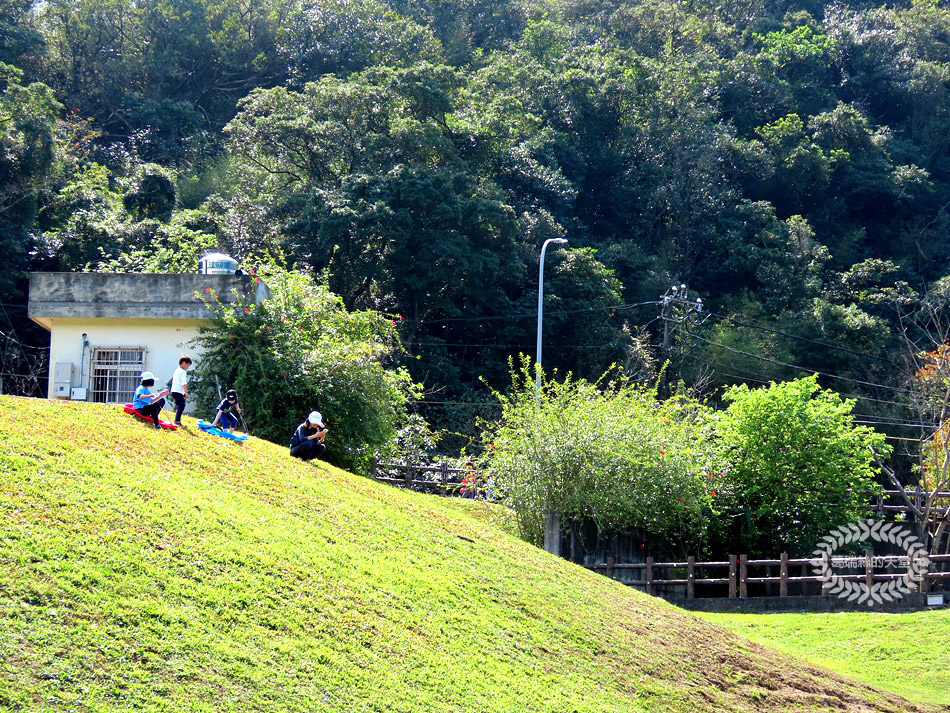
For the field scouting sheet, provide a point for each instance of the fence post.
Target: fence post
(372, 468)
(783, 574)
(649, 575)
(552, 533)
(610, 566)
(743, 576)
(732, 576)
(408, 475)
(869, 569)
(691, 576)
(445, 476)
(826, 573)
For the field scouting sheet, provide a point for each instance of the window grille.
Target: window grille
(115, 373)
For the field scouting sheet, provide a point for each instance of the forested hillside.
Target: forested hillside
(788, 161)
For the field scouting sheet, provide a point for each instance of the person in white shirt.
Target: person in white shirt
(179, 388)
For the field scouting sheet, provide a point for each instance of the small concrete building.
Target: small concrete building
(107, 329)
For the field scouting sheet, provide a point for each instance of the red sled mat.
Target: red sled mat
(164, 424)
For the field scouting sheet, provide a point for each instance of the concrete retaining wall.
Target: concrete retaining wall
(907, 603)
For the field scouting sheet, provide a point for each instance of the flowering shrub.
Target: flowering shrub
(612, 453)
(298, 351)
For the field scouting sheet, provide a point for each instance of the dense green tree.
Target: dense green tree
(798, 467)
(20, 43)
(313, 138)
(151, 196)
(464, 27)
(377, 237)
(28, 158)
(171, 68)
(92, 57)
(337, 37)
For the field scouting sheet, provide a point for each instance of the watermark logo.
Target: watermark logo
(903, 571)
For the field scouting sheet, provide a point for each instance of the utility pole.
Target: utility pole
(677, 308)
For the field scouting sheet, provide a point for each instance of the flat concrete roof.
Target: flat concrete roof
(78, 295)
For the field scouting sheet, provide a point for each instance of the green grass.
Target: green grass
(175, 571)
(908, 654)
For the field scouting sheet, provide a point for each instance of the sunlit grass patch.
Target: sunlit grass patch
(171, 571)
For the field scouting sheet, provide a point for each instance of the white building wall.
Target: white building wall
(165, 340)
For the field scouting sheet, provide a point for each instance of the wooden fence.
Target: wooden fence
(738, 578)
(446, 481)
(918, 496)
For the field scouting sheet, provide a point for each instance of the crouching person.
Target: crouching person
(307, 441)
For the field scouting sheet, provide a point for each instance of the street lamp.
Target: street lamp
(537, 365)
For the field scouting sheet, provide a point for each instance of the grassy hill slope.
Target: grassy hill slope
(163, 571)
(864, 645)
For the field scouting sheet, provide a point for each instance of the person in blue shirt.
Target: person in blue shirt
(147, 403)
(228, 420)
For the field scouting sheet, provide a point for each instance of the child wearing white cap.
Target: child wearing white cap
(147, 403)
(307, 441)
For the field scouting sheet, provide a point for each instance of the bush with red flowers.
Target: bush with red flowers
(301, 350)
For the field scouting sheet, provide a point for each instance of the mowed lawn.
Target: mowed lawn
(179, 572)
(908, 654)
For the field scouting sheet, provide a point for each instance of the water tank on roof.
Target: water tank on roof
(217, 264)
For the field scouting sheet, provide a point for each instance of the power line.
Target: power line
(882, 420)
(887, 418)
(800, 368)
(746, 378)
(879, 401)
(857, 397)
(5, 314)
(21, 344)
(886, 421)
(525, 315)
(803, 339)
(427, 402)
(606, 345)
(896, 425)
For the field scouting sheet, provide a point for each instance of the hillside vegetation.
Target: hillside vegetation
(787, 160)
(165, 571)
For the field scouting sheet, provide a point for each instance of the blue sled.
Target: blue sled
(208, 428)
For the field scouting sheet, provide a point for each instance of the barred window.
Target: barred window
(115, 373)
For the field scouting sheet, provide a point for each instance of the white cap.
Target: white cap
(316, 417)
(147, 375)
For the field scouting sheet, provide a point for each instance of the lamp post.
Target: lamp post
(537, 359)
